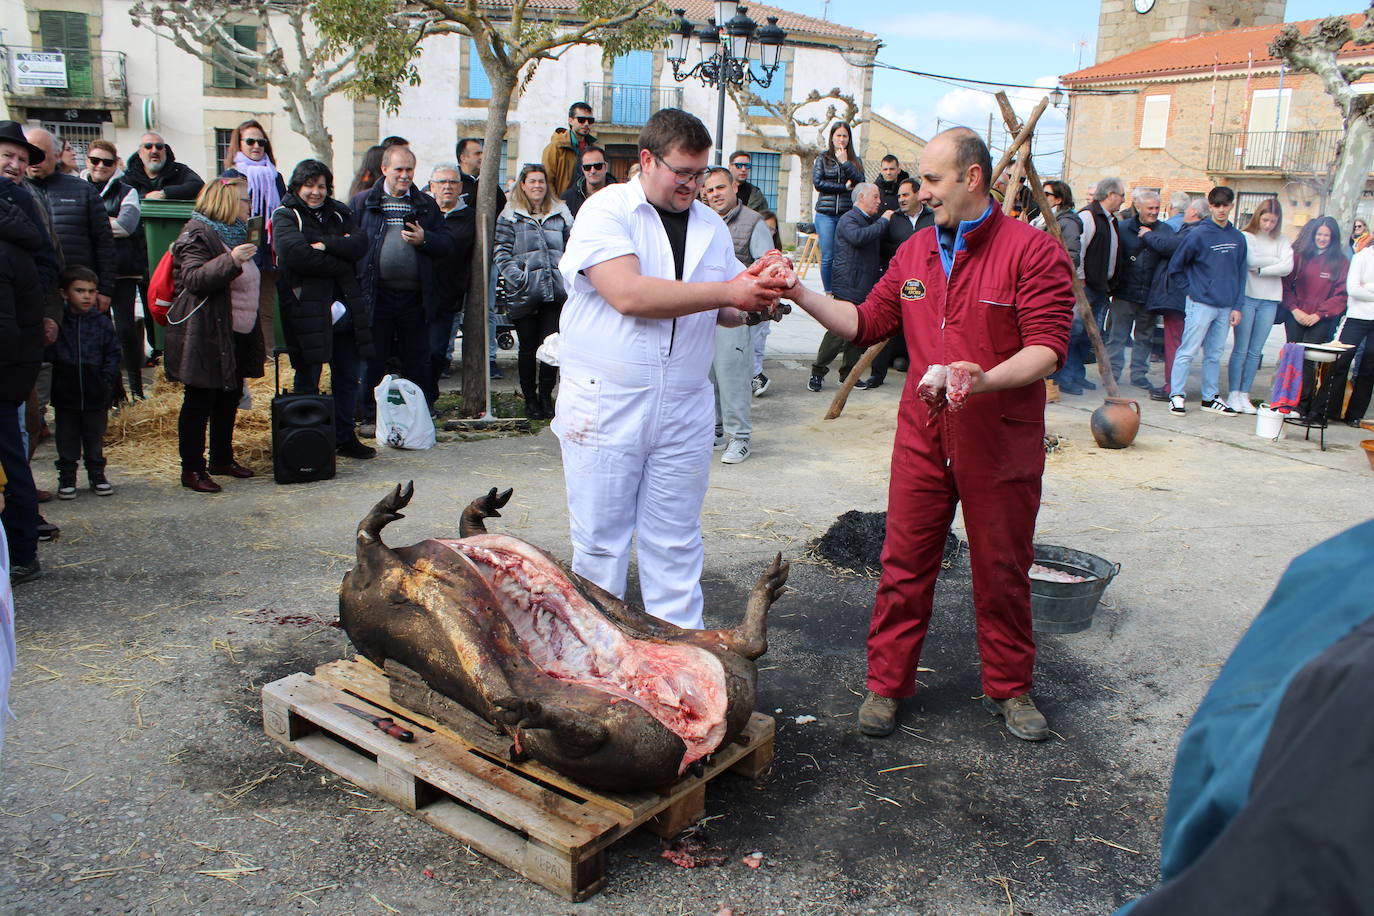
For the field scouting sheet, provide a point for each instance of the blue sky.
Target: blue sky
(1027, 41)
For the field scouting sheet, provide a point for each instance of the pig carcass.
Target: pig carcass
(579, 680)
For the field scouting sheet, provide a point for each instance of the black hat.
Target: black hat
(11, 132)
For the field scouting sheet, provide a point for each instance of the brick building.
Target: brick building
(1206, 109)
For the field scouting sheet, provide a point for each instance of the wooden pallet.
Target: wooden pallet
(539, 823)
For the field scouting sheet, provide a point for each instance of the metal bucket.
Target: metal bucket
(1067, 607)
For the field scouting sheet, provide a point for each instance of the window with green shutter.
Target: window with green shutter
(68, 32)
(224, 77)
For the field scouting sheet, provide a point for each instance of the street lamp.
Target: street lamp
(725, 50)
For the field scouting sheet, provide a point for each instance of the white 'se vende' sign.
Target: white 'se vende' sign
(39, 69)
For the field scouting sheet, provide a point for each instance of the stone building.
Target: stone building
(1191, 112)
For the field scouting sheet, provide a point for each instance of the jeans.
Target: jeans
(1204, 327)
(1354, 331)
(825, 237)
(1132, 322)
(344, 368)
(20, 516)
(1074, 373)
(440, 343)
(1256, 321)
(398, 319)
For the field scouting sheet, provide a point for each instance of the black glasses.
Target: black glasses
(684, 177)
(255, 141)
(741, 165)
(96, 160)
(584, 119)
(593, 166)
(155, 146)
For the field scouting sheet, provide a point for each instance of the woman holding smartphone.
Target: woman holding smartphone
(250, 155)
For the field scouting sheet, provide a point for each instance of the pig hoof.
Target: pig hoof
(517, 754)
(483, 507)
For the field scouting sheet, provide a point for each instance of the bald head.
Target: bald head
(955, 168)
(50, 145)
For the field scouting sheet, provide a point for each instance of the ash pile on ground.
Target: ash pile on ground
(855, 542)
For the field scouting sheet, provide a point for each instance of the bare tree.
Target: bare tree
(307, 74)
(1318, 52)
(511, 41)
(805, 135)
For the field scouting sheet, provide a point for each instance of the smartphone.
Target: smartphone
(411, 220)
(254, 231)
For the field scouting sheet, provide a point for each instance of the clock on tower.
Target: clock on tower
(1124, 26)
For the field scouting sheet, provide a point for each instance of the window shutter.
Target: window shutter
(479, 86)
(1154, 126)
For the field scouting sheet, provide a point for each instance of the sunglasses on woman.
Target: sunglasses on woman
(255, 141)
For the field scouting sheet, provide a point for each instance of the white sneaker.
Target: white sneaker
(737, 452)
(1176, 404)
(1217, 405)
(1240, 402)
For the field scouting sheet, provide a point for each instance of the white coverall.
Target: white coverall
(634, 415)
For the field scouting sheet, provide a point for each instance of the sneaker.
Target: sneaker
(66, 489)
(877, 715)
(26, 573)
(872, 382)
(1159, 394)
(47, 531)
(721, 442)
(759, 384)
(1023, 719)
(1216, 405)
(1176, 404)
(738, 451)
(1239, 401)
(861, 385)
(815, 383)
(101, 486)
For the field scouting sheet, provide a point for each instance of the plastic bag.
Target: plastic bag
(403, 419)
(548, 351)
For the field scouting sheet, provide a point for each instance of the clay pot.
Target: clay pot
(1116, 422)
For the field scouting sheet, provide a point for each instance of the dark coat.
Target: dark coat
(858, 255)
(131, 254)
(79, 220)
(33, 231)
(1163, 241)
(576, 196)
(887, 190)
(1098, 267)
(1136, 272)
(455, 271)
(176, 179)
(310, 281)
(438, 243)
(829, 177)
(86, 361)
(202, 351)
(21, 303)
(899, 229)
(748, 194)
(528, 249)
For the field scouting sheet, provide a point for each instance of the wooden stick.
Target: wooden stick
(1085, 311)
(837, 405)
(1018, 172)
(1022, 138)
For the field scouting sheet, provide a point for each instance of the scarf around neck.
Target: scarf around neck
(262, 183)
(232, 234)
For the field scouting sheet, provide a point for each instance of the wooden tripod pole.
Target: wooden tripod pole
(1085, 311)
(850, 380)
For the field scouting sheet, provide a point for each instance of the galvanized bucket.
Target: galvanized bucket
(1067, 607)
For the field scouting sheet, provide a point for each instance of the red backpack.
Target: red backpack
(162, 289)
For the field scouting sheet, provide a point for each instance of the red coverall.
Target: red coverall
(1010, 287)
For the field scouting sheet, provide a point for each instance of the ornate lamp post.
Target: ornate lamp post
(725, 51)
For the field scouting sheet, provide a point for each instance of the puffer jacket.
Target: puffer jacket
(528, 249)
(79, 220)
(86, 361)
(175, 179)
(1136, 271)
(310, 281)
(201, 350)
(829, 177)
(121, 205)
(21, 303)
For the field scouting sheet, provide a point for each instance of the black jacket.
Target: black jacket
(175, 179)
(1163, 241)
(85, 362)
(829, 177)
(576, 196)
(78, 218)
(1136, 271)
(527, 252)
(21, 301)
(131, 255)
(888, 191)
(455, 271)
(858, 254)
(46, 258)
(438, 243)
(899, 229)
(310, 281)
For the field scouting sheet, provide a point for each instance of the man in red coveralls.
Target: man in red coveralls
(994, 296)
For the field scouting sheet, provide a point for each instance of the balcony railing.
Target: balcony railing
(627, 105)
(1283, 152)
(58, 76)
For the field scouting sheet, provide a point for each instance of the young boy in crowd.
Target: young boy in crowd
(85, 382)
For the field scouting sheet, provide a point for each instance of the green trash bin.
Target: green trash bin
(162, 221)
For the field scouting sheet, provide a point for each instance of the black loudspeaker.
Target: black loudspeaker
(302, 437)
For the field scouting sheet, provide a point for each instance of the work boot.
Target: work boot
(1023, 719)
(877, 715)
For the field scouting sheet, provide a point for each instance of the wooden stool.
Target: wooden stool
(809, 253)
